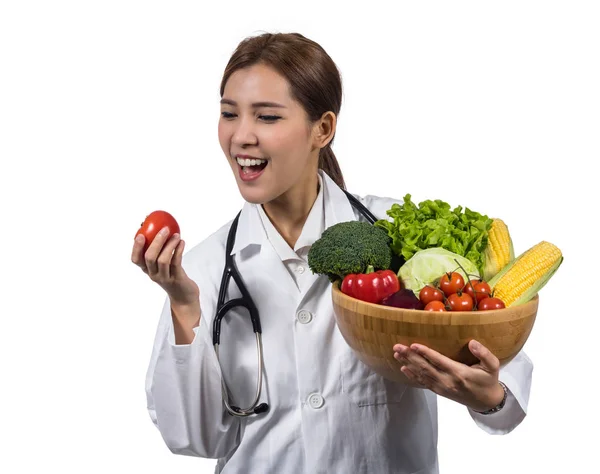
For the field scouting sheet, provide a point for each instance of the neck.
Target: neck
(289, 212)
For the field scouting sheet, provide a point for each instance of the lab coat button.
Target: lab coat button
(304, 316)
(300, 269)
(315, 400)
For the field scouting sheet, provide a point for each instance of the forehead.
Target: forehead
(257, 83)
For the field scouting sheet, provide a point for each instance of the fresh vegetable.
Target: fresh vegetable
(520, 280)
(451, 282)
(490, 303)
(499, 250)
(460, 301)
(433, 224)
(435, 306)
(429, 293)
(153, 224)
(453, 295)
(372, 286)
(477, 289)
(403, 299)
(349, 248)
(426, 266)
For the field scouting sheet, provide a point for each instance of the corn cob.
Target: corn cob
(499, 251)
(521, 279)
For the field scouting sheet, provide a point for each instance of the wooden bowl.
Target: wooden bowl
(371, 330)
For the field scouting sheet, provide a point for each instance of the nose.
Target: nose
(244, 133)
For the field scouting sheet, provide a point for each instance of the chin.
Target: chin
(253, 195)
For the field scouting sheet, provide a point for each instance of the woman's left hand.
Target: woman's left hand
(474, 386)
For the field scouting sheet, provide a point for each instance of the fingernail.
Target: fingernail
(139, 238)
(476, 346)
(164, 231)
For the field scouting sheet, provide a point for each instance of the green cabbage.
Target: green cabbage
(427, 266)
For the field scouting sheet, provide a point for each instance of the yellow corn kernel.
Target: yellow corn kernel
(526, 271)
(499, 251)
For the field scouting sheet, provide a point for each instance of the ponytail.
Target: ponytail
(329, 164)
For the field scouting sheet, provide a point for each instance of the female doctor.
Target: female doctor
(319, 409)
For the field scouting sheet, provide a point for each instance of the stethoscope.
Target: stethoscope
(246, 301)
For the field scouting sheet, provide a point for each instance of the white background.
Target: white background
(109, 109)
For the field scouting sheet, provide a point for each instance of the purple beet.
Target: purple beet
(404, 298)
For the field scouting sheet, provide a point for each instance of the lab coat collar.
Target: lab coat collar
(337, 206)
(251, 231)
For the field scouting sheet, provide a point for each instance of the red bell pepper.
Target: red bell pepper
(372, 286)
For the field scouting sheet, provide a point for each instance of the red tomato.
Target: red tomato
(491, 303)
(468, 289)
(429, 294)
(451, 283)
(482, 289)
(460, 302)
(435, 305)
(153, 224)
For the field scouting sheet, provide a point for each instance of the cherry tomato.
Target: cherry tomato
(429, 294)
(468, 288)
(153, 224)
(451, 283)
(460, 302)
(482, 289)
(435, 305)
(491, 303)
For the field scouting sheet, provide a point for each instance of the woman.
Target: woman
(327, 412)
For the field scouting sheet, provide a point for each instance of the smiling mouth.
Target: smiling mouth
(251, 165)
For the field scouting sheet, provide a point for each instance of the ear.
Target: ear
(324, 130)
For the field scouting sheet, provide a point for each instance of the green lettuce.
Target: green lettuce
(435, 224)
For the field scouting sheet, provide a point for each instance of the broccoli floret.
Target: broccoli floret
(350, 247)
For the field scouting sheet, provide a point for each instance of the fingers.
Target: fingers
(465, 384)
(158, 259)
(165, 257)
(430, 369)
(422, 355)
(439, 361)
(137, 253)
(416, 363)
(419, 378)
(489, 362)
(177, 258)
(154, 250)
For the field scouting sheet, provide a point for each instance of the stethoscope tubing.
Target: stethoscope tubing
(230, 271)
(254, 407)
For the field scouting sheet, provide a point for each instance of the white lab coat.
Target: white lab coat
(329, 413)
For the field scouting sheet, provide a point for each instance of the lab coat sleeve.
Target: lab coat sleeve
(183, 391)
(516, 375)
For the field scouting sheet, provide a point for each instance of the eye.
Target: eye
(227, 115)
(269, 118)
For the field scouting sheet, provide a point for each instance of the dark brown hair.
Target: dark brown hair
(315, 81)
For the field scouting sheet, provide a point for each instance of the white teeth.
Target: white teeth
(249, 162)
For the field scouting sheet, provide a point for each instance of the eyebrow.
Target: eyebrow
(255, 104)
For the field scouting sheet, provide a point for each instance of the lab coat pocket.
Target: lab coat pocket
(366, 387)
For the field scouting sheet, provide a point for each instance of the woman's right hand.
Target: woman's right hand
(162, 263)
